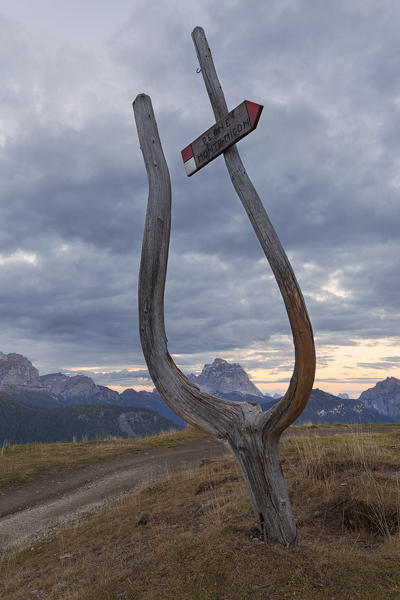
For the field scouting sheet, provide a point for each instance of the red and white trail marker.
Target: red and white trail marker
(238, 123)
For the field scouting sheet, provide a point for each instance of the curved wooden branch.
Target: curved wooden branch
(211, 414)
(298, 393)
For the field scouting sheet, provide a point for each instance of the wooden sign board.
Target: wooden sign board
(233, 127)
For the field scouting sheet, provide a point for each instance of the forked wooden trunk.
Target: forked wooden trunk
(251, 435)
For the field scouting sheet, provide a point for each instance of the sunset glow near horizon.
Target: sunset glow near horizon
(351, 370)
(324, 160)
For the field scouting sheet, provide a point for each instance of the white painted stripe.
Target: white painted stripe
(190, 166)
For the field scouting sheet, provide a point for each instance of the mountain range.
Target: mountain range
(377, 405)
(20, 423)
(57, 407)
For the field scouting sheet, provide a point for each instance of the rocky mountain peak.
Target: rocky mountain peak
(17, 370)
(384, 397)
(20, 380)
(78, 389)
(223, 377)
(389, 384)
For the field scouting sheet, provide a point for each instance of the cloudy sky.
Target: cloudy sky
(325, 159)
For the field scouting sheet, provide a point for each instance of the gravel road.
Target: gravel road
(33, 511)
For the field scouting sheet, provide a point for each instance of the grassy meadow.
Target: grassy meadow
(192, 536)
(21, 463)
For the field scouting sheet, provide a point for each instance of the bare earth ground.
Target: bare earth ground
(33, 511)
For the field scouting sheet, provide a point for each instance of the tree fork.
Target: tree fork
(251, 435)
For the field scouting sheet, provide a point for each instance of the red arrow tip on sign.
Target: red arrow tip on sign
(229, 130)
(254, 111)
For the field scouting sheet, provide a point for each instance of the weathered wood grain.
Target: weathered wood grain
(296, 398)
(251, 435)
(211, 414)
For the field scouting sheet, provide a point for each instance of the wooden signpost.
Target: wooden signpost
(250, 434)
(234, 126)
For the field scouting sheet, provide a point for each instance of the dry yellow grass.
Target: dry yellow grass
(191, 537)
(26, 462)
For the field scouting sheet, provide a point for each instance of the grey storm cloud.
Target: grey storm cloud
(384, 365)
(324, 159)
(124, 377)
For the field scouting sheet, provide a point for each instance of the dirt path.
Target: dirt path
(35, 510)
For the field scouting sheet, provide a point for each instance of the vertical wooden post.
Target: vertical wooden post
(270, 243)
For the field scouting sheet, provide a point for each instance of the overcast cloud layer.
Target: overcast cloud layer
(325, 159)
